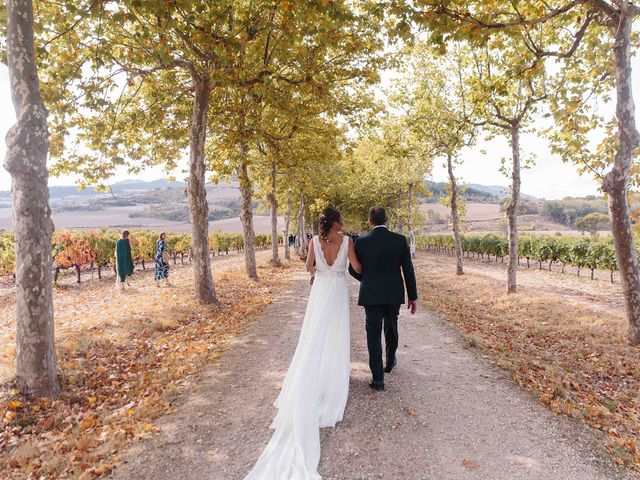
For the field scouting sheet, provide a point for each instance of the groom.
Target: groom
(385, 259)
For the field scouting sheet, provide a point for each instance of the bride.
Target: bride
(315, 390)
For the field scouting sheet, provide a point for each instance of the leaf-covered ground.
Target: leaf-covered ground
(562, 339)
(122, 358)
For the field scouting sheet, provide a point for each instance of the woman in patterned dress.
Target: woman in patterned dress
(162, 267)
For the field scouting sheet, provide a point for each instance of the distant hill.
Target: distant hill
(129, 185)
(124, 187)
(439, 190)
(499, 191)
(157, 199)
(118, 188)
(474, 192)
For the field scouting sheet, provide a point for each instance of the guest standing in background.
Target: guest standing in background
(162, 261)
(124, 261)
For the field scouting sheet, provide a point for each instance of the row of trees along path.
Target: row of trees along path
(260, 92)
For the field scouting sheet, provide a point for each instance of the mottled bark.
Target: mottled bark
(455, 218)
(246, 214)
(273, 202)
(512, 210)
(26, 161)
(197, 195)
(287, 225)
(616, 181)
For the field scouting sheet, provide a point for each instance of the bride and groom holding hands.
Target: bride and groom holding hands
(316, 387)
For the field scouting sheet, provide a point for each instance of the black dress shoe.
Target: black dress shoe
(390, 366)
(377, 386)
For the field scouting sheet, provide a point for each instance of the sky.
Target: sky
(549, 178)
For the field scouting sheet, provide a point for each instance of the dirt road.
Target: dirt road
(447, 413)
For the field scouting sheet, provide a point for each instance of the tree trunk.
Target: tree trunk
(512, 210)
(246, 215)
(77, 273)
(26, 161)
(302, 233)
(285, 231)
(616, 181)
(273, 201)
(412, 237)
(455, 219)
(399, 223)
(197, 196)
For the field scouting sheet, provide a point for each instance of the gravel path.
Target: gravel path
(447, 413)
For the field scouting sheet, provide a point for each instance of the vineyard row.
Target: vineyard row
(79, 249)
(593, 253)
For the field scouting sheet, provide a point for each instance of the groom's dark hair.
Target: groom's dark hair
(378, 216)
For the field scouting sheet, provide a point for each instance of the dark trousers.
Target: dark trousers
(379, 316)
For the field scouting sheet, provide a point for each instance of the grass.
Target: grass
(575, 359)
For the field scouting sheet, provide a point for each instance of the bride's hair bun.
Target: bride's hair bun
(328, 217)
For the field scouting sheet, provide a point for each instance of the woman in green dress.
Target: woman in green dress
(124, 261)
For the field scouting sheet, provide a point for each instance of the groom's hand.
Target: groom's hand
(412, 306)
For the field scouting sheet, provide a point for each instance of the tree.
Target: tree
(594, 40)
(147, 64)
(285, 156)
(407, 160)
(26, 161)
(593, 223)
(506, 87)
(317, 56)
(441, 117)
(386, 167)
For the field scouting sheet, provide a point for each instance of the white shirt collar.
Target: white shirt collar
(380, 226)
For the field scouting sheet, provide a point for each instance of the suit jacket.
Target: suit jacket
(385, 259)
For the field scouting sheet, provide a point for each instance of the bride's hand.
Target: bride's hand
(353, 258)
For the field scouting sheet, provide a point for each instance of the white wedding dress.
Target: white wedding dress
(315, 390)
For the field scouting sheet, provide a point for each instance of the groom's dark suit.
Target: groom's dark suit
(385, 259)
